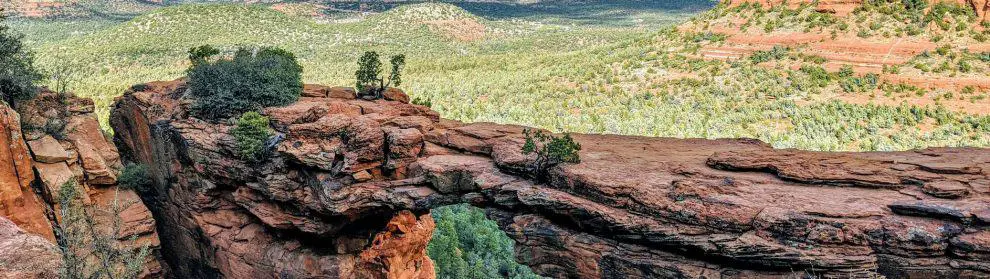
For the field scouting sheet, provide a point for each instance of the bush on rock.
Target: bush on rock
(252, 134)
(251, 79)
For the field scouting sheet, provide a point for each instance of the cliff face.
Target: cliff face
(17, 200)
(347, 190)
(55, 139)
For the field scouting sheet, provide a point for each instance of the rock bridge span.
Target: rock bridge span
(346, 191)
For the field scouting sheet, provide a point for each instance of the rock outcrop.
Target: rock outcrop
(17, 199)
(26, 255)
(348, 186)
(54, 139)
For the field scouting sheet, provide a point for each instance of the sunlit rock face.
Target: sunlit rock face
(54, 139)
(349, 183)
(17, 200)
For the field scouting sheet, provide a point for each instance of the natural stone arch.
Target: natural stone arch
(340, 195)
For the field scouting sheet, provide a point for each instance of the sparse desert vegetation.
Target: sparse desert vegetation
(583, 78)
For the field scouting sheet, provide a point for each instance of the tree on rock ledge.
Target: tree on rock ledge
(370, 81)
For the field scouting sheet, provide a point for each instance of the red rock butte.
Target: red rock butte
(349, 184)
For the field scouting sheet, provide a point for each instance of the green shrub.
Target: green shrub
(251, 134)
(139, 87)
(135, 176)
(969, 89)
(818, 75)
(847, 71)
(943, 50)
(964, 66)
(17, 72)
(984, 56)
(251, 79)
(54, 127)
(370, 81)
(891, 69)
(915, 5)
(200, 54)
(427, 102)
(776, 53)
(550, 150)
(708, 37)
(863, 33)
(865, 83)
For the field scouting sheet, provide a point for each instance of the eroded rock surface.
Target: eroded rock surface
(25, 255)
(54, 139)
(339, 196)
(17, 199)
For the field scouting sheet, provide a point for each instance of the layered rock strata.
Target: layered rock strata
(54, 139)
(348, 186)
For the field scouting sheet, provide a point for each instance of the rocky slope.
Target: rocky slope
(348, 186)
(844, 7)
(870, 54)
(55, 139)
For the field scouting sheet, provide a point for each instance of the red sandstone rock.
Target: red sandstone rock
(313, 90)
(342, 93)
(48, 150)
(25, 255)
(634, 207)
(401, 249)
(87, 157)
(17, 201)
(395, 94)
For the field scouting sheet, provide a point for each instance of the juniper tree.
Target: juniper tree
(251, 79)
(370, 81)
(550, 151)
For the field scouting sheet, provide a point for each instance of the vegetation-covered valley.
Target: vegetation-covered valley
(590, 78)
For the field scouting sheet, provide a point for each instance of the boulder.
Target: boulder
(342, 93)
(98, 172)
(395, 94)
(86, 128)
(48, 150)
(315, 91)
(26, 256)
